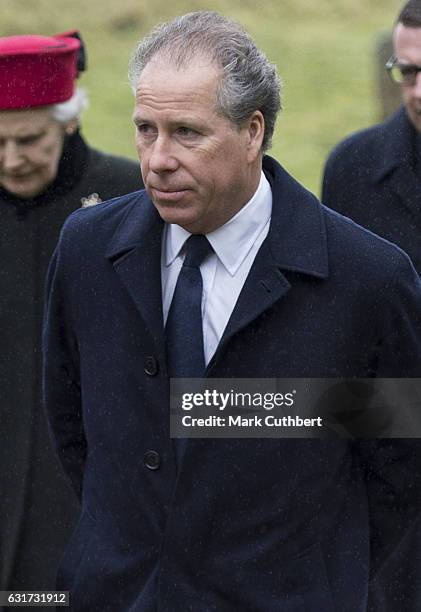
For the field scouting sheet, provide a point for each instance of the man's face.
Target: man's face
(31, 143)
(198, 168)
(407, 49)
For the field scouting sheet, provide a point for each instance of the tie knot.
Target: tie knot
(197, 248)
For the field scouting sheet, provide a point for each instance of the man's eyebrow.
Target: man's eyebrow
(137, 119)
(186, 120)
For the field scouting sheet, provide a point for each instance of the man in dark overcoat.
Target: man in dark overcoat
(374, 176)
(47, 170)
(224, 267)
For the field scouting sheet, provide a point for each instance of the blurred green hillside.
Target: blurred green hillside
(324, 51)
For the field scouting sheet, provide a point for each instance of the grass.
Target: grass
(324, 52)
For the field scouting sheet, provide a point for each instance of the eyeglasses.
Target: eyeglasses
(402, 73)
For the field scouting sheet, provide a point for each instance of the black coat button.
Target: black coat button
(152, 460)
(151, 366)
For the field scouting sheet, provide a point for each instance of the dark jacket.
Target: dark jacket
(251, 525)
(372, 178)
(37, 507)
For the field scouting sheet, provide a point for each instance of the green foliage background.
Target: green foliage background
(324, 51)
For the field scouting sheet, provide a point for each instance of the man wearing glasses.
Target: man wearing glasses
(374, 176)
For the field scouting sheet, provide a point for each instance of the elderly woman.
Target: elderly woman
(46, 171)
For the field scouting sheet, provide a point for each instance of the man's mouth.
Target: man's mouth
(169, 194)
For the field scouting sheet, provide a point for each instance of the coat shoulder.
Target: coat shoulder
(91, 225)
(114, 162)
(356, 146)
(118, 173)
(371, 256)
(364, 145)
(355, 162)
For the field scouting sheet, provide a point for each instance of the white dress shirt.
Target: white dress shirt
(224, 272)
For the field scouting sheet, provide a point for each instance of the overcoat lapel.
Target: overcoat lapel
(405, 183)
(296, 242)
(264, 286)
(396, 163)
(135, 251)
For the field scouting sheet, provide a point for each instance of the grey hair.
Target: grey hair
(249, 81)
(71, 109)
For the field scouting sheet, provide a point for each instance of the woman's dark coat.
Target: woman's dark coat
(33, 530)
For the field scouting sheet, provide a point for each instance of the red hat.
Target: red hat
(37, 70)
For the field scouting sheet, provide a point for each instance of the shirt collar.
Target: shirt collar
(232, 241)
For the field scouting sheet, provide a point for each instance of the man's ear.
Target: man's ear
(255, 134)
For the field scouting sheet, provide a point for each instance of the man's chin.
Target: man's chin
(176, 215)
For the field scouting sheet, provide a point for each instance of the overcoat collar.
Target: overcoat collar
(296, 242)
(395, 147)
(395, 161)
(297, 234)
(135, 252)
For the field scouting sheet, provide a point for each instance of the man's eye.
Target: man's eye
(409, 71)
(145, 129)
(186, 132)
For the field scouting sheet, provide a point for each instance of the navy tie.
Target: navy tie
(184, 328)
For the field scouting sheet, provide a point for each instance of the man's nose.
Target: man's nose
(10, 156)
(163, 155)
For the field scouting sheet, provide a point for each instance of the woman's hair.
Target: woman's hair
(71, 109)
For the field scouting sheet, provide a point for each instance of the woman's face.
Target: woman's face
(31, 142)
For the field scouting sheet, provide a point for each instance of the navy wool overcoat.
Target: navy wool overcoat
(240, 524)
